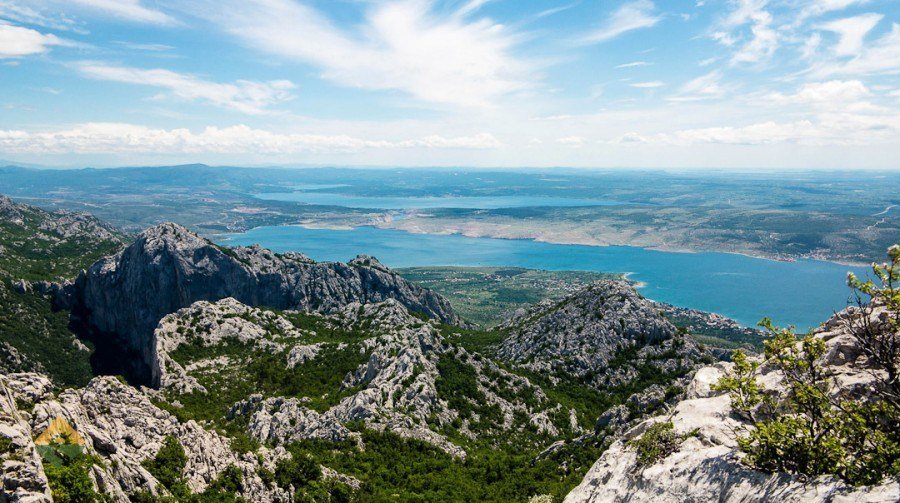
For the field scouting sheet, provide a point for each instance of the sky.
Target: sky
(746, 84)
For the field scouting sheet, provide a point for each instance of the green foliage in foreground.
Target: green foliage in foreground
(817, 430)
(68, 472)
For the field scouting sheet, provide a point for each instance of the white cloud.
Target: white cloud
(129, 10)
(243, 95)
(35, 15)
(17, 41)
(648, 85)
(633, 64)
(811, 46)
(879, 57)
(856, 130)
(400, 46)
(114, 138)
(704, 87)
(630, 16)
(764, 38)
(815, 8)
(571, 141)
(834, 94)
(851, 32)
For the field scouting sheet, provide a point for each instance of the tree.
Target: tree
(877, 327)
(815, 429)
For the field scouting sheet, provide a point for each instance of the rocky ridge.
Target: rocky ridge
(599, 335)
(394, 387)
(181, 268)
(707, 465)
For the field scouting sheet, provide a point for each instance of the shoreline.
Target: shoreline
(550, 240)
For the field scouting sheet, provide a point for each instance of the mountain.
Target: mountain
(244, 389)
(123, 297)
(265, 366)
(600, 334)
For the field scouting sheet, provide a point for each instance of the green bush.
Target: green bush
(68, 472)
(297, 471)
(817, 430)
(168, 464)
(656, 443)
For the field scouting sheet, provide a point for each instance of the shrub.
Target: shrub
(168, 466)
(656, 443)
(816, 430)
(741, 386)
(68, 473)
(297, 471)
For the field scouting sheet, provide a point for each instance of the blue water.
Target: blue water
(467, 202)
(802, 293)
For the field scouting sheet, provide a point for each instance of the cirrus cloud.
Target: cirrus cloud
(401, 46)
(243, 95)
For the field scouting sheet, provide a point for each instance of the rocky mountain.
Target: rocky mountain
(601, 334)
(706, 465)
(123, 297)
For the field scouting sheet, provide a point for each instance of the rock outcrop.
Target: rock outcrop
(707, 465)
(23, 474)
(582, 335)
(168, 268)
(122, 428)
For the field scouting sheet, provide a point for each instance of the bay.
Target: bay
(803, 293)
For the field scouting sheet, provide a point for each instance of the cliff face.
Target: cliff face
(707, 465)
(168, 267)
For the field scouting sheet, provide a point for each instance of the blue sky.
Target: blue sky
(589, 83)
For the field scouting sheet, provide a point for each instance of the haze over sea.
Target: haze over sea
(803, 293)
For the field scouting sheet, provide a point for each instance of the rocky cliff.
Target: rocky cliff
(168, 268)
(707, 466)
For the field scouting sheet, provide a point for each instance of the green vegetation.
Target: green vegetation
(458, 384)
(486, 295)
(40, 336)
(168, 464)
(67, 467)
(656, 443)
(395, 469)
(168, 468)
(817, 430)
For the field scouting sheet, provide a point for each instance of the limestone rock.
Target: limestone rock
(707, 467)
(180, 268)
